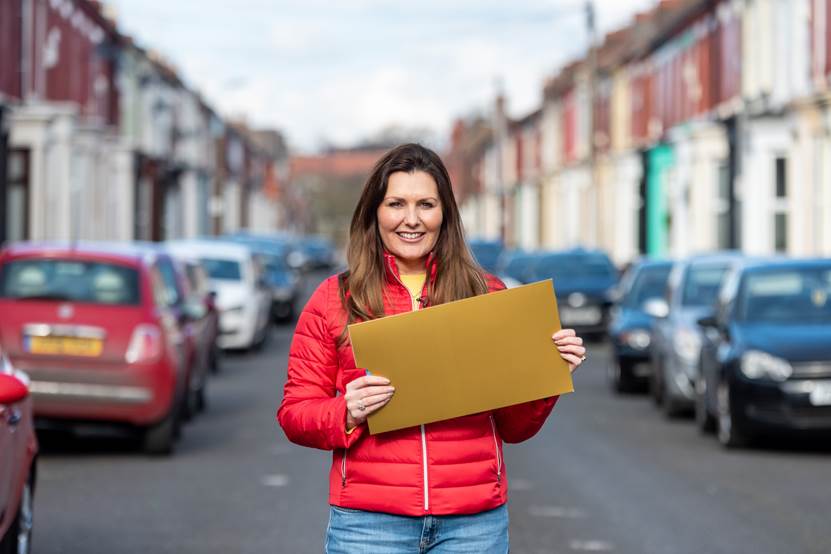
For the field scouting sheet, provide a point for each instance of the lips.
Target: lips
(410, 237)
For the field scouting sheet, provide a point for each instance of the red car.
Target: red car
(95, 328)
(18, 450)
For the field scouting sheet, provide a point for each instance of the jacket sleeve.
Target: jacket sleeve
(312, 413)
(523, 421)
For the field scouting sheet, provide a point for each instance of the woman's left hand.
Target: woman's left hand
(571, 347)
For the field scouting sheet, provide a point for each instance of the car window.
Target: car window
(651, 282)
(702, 284)
(70, 280)
(224, 270)
(564, 267)
(167, 272)
(798, 296)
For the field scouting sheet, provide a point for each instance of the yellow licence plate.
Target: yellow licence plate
(70, 346)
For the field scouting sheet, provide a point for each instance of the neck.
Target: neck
(409, 267)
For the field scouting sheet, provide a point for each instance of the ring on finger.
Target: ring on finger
(361, 405)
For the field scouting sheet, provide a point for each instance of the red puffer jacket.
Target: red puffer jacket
(449, 467)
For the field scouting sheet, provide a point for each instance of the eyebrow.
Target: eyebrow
(402, 198)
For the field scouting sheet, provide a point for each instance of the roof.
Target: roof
(122, 252)
(223, 249)
(340, 163)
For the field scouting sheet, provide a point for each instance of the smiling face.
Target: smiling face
(410, 218)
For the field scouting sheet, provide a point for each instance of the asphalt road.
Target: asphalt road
(606, 474)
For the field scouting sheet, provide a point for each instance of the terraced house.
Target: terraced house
(702, 125)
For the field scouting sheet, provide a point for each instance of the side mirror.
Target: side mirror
(656, 307)
(12, 389)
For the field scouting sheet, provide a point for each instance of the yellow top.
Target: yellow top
(414, 283)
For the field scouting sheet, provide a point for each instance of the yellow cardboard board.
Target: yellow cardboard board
(464, 357)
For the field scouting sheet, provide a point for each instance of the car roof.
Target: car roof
(785, 263)
(111, 251)
(198, 247)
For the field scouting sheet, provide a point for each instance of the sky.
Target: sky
(329, 72)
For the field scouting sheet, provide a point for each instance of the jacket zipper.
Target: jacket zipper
(496, 448)
(415, 305)
(343, 468)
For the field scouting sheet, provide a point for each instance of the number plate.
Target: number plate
(66, 346)
(580, 316)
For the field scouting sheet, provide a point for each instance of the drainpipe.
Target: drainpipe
(4, 144)
(733, 171)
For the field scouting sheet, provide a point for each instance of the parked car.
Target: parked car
(18, 455)
(517, 265)
(242, 297)
(283, 281)
(486, 253)
(584, 281)
(630, 326)
(95, 330)
(201, 330)
(691, 293)
(318, 252)
(768, 367)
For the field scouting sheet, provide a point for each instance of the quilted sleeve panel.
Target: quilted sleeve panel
(312, 413)
(523, 421)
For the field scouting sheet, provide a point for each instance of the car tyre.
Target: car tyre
(730, 432)
(160, 439)
(656, 383)
(705, 421)
(18, 539)
(670, 406)
(620, 376)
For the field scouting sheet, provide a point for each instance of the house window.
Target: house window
(780, 205)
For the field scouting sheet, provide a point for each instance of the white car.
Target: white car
(243, 300)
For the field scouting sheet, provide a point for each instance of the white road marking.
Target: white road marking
(593, 545)
(277, 480)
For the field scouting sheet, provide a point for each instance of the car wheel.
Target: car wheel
(729, 432)
(670, 405)
(215, 365)
(656, 383)
(620, 376)
(159, 439)
(18, 539)
(703, 418)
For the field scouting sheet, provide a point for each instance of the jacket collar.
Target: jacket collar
(394, 275)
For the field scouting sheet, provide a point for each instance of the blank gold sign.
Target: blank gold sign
(464, 357)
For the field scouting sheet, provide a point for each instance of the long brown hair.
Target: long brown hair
(457, 273)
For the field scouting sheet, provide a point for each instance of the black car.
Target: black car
(584, 281)
(768, 365)
(630, 326)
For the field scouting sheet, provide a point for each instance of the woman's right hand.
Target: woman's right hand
(364, 396)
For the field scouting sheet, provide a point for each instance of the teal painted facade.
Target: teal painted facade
(660, 161)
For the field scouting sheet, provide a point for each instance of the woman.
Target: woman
(439, 487)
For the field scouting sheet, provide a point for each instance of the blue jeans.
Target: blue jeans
(359, 532)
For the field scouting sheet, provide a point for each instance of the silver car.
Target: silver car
(677, 338)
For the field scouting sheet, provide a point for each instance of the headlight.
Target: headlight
(687, 344)
(638, 339)
(756, 364)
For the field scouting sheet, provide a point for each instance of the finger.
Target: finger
(572, 360)
(562, 333)
(366, 381)
(372, 391)
(378, 405)
(569, 340)
(377, 399)
(575, 349)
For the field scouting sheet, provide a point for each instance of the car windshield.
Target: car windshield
(486, 253)
(702, 284)
(787, 296)
(225, 270)
(573, 268)
(650, 283)
(70, 281)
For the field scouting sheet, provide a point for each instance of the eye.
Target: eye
(428, 204)
(394, 204)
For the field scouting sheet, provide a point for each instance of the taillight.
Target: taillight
(145, 344)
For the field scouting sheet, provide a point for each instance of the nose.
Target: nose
(411, 217)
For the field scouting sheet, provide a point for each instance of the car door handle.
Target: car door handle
(14, 417)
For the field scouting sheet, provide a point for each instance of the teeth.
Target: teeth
(410, 235)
